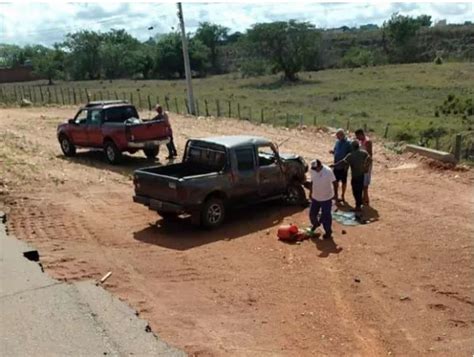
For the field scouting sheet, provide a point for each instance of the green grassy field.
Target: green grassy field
(403, 95)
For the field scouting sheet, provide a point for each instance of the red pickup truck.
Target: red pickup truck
(115, 127)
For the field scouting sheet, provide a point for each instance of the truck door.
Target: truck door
(246, 186)
(79, 129)
(271, 180)
(94, 130)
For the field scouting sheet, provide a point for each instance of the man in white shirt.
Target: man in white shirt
(323, 184)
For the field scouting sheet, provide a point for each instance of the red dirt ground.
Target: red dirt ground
(238, 290)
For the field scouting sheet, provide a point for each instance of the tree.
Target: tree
(169, 56)
(48, 63)
(288, 46)
(119, 53)
(401, 31)
(84, 49)
(212, 36)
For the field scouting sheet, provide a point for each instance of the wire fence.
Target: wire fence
(42, 95)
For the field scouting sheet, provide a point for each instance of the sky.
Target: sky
(24, 23)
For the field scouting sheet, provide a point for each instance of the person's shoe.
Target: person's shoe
(327, 235)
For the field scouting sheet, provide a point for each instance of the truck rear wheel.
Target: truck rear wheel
(112, 153)
(67, 147)
(151, 154)
(295, 195)
(213, 213)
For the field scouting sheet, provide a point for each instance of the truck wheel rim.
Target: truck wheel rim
(110, 153)
(214, 213)
(65, 145)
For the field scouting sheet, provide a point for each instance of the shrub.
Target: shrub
(404, 135)
(438, 60)
(358, 57)
(254, 68)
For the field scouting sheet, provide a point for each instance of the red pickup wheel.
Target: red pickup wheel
(112, 153)
(67, 146)
(151, 154)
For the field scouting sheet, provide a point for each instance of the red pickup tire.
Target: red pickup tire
(151, 154)
(112, 153)
(67, 146)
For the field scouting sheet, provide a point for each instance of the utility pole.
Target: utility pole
(187, 67)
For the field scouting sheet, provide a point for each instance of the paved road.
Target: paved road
(41, 316)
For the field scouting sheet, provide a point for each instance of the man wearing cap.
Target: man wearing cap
(323, 184)
(340, 151)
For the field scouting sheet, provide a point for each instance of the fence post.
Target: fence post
(16, 95)
(287, 124)
(197, 108)
(186, 105)
(250, 113)
(386, 131)
(437, 142)
(315, 121)
(365, 128)
(238, 111)
(34, 95)
(348, 124)
(116, 95)
(262, 117)
(56, 98)
(301, 120)
(206, 107)
(29, 93)
(176, 104)
(74, 95)
(139, 100)
(149, 102)
(457, 147)
(167, 103)
(49, 96)
(131, 97)
(41, 94)
(230, 109)
(274, 116)
(218, 108)
(157, 100)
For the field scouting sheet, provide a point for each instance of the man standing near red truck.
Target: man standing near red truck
(172, 153)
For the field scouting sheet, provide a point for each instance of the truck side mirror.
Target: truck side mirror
(71, 121)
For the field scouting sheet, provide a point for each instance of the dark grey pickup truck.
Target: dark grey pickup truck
(218, 172)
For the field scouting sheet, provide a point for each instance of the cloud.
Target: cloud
(47, 23)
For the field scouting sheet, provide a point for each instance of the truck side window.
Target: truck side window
(94, 117)
(245, 159)
(81, 117)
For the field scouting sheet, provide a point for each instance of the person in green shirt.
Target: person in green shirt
(359, 162)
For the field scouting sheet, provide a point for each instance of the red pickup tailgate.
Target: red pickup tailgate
(152, 130)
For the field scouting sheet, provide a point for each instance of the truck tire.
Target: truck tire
(295, 195)
(112, 153)
(67, 147)
(213, 213)
(151, 154)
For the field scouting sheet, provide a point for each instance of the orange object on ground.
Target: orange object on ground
(287, 232)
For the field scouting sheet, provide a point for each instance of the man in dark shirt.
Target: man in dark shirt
(359, 162)
(340, 151)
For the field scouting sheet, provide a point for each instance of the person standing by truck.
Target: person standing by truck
(340, 151)
(172, 153)
(366, 144)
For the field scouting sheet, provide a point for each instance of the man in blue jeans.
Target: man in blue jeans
(323, 184)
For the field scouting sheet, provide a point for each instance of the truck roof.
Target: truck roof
(107, 104)
(233, 141)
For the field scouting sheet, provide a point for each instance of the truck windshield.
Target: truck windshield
(211, 157)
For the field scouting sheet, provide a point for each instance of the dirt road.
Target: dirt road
(400, 286)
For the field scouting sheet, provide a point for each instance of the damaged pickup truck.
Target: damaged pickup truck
(219, 172)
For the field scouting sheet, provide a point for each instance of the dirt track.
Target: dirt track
(237, 290)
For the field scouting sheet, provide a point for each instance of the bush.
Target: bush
(254, 68)
(438, 60)
(358, 57)
(404, 135)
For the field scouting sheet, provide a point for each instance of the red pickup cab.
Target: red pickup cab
(115, 127)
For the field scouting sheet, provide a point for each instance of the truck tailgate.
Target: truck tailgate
(159, 187)
(152, 130)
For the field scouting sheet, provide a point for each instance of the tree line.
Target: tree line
(286, 47)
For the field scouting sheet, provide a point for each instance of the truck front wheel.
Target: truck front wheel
(151, 154)
(213, 213)
(295, 195)
(112, 153)
(67, 147)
